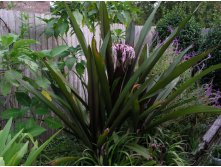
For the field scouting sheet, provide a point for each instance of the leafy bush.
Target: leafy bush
(16, 55)
(190, 34)
(209, 40)
(16, 150)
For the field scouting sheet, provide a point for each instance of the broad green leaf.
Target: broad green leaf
(62, 28)
(58, 50)
(49, 31)
(70, 62)
(23, 98)
(2, 54)
(30, 123)
(7, 40)
(36, 130)
(5, 87)
(41, 111)
(42, 82)
(53, 123)
(43, 53)
(14, 113)
(80, 68)
(23, 43)
(29, 62)
(11, 76)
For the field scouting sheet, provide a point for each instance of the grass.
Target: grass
(61, 146)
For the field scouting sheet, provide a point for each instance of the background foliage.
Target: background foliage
(210, 39)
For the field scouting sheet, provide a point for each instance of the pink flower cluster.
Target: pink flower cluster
(123, 55)
(214, 96)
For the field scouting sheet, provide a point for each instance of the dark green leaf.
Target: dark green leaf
(58, 50)
(62, 28)
(42, 82)
(24, 42)
(41, 111)
(53, 123)
(105, 29)
(7, 40)
(185, 111)
(36, 130)
(14, 113)
(11, 76)
(70, 62)
(130, 34)
(80, 68)
(23, 98)
(5, 87)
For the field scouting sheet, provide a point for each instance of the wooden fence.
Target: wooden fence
(10, 21)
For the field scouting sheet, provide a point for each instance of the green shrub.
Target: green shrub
(209, 40)
(20, 148)
(187, 36)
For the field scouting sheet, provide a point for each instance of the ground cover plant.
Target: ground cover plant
(15, 148)
(125, 98)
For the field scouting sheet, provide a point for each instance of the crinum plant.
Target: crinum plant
(120, 90)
